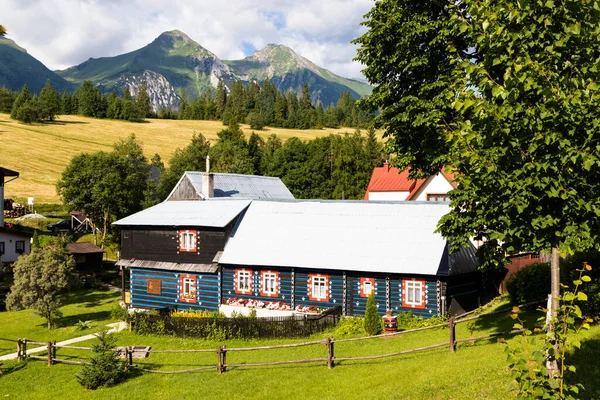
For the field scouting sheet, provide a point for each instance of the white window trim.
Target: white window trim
(246, 274)
(413, 285)
(314, 286)
(267, 276)
(190, 283)
(188, 240)
(364, 289)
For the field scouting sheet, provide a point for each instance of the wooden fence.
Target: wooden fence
(328, 358)
(242, 327)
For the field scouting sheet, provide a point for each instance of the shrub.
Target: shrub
(408, 320)
(119, 313)
(529, 284)
(373, 322)
(350, 326)
(570, 271)
(104, 368)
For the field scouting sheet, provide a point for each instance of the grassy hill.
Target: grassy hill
(17, 67)
(40, 152)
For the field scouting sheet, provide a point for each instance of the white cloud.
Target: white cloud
(62, 33)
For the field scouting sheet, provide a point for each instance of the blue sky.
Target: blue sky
(62, 33)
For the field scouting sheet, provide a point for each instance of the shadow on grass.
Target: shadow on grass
(56, 122)
(12, 367)
(588, 371)
(73, 319)
(503, 322)
(91, 299)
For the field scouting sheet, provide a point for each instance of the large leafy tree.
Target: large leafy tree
(39, 280)
(512, 105)
(106, 185)
(407, 58)
(2, 31)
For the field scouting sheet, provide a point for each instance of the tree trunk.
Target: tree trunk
(49, 317)
(551, 363)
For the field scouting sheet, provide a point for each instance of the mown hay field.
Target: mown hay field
(40, 152)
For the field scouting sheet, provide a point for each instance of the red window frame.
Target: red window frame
(236, 281)
(263, 286)
(194, 248)
(182, 296)
(311, 278)
(362, 286)
(437, 197)
(405, 302)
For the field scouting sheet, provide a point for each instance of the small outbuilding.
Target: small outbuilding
(88, 257)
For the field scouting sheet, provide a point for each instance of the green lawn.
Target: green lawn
(476, 371)
(82, 305)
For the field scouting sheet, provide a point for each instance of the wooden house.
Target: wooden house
(13, 242)
(391, 184)
(296, 255)
(88, 257)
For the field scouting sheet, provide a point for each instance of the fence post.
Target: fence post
(452, 329)
(54, 350)
(219, 365)
(224, 358)
(49, 353)
(329, 344)
(19, 357)
(130, 357)
(24, 349)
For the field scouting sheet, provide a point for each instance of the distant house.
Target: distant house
(13, 242)
(295, 255)
(388, 183)
(87, 256)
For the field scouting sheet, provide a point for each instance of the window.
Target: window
(243, 281)
(187, 241)
(367, 286)
(437, 197)
(269, 283)
(2, 248)
(20, 246)
(414, 294)
(318, 287)
(187, 289)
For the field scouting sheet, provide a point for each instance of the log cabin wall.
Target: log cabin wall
(151, 288)
(302, 288)
(231, 290)
(397, 299)
(356, 298)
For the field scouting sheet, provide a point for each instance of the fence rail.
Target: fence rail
(221, 351)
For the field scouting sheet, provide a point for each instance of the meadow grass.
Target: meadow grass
(80, 305)
(40, 152)
(476, 371)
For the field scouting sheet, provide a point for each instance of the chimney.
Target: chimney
(208, 183)
(386, 166)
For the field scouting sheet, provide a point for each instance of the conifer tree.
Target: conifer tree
(220, 99)
(50, 102)
(372, 319)
(7, 98)
(142, 101)
(21, 99)
(67, 103)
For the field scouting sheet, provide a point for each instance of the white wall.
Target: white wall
(388, 196)
(9, 239)
(434, 184)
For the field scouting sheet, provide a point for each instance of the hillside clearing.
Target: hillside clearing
(40, 152)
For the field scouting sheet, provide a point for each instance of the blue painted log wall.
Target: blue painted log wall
(335, 289)
(431, 306)
(207, 290)
(357, 305)
(284, 285)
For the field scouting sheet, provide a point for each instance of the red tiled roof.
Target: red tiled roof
(390, 179)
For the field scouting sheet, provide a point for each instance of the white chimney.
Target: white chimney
(208, 183)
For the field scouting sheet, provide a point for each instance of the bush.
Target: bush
(531, 283)
(373, 322)
(350, 326)
(104, 368)
(119, 313)
(569, 272)
(408, 320)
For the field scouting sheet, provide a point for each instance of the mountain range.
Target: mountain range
(174, 63)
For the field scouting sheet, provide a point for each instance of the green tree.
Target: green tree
(190, 158)
(39, 280)
(67, 103)
(2, 31)
(220, 99)
(373, 325)
(35, 241)
(255, 150)
(104, 368)
(21, 99)
(106, 185)
(408, 61)
(89, 99)
(7, 99)
(30, 111)
(142, 100)
(50, 102)
(230, 153)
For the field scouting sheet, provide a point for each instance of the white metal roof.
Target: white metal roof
(353, 236)
(214, 213)
(240, 186)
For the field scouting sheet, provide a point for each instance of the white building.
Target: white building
(13, 242)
